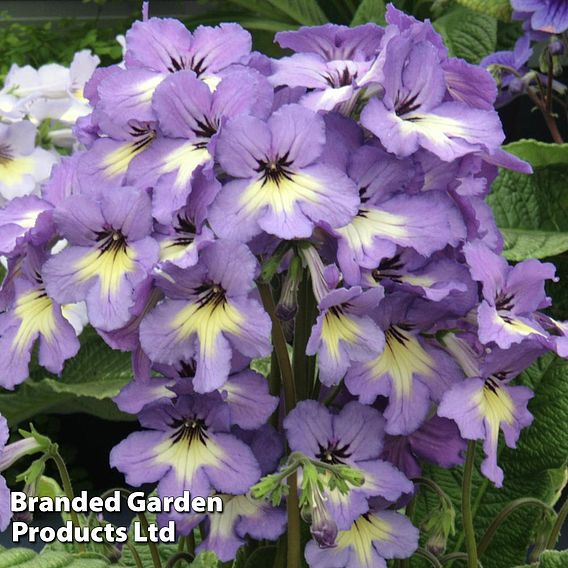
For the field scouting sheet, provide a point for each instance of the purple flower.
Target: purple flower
(412, 370)
(209, 310)
(483, 406)
(190, 116)
(278, 184)
(437, 441)
(485, 402)
(344, 333)
(549, 16)
(353, 437)
(372, 539)
(32, 316)
(413, 113)
(187, 445)
(22, 220)
(110, 253)
(242, 516)
(166, 46)
(388, 216)
(332, 42)
(510, 295)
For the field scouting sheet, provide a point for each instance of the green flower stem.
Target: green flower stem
(502, 517)
(456, 556)
(180, 556)
(332, 395)
(303, 364)
(190, 542)
(143, 522)
(135, 555)
(151, 545)
(470, 544)
(432, 559)
(67, 487)
(555, 532)
(281, 348)
(433, 486)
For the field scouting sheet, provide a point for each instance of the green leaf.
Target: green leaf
(304, 12)
(497, 8)
(370, 11)
(206, 559)
(27, 558)
(468, 34)
(539, 154)
(550, 559)
(87, 384)
(532, 211)
(553, 559)
(535, 469)
(261, 557)
(15, 556)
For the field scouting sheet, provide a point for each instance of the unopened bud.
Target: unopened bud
(556, 47)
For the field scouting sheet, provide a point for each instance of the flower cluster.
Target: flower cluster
(217, 182)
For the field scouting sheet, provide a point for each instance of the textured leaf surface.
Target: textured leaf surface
(370, 11)
(468, 34)
(304, 12)
(27, 558)
(87, 384)
(535, 469)
(497, 8)
(550, 559)
(532, 211)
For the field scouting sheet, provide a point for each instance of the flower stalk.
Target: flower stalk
(469, 531)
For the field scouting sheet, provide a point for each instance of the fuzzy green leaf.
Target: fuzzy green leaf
(532, 211)
(550, 559)
(535, 469)
(467, 34)
(497, 8)
(370, 11)
(304, 12)
(27, 558)
(87, 384)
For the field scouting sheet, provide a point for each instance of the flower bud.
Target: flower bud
(11, 453)
(517, 86)
(439, 526)
(556, 47)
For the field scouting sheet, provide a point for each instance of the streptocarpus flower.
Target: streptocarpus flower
(190, 116)
(24, 219)
(482, 407)
(33, 315)
(412, 371)
(511, 295)
(353, 437)
(389, 216)
(279, 186)
(344, 333)
(243, 516)
(110, 253)
(486, 403)
(208, 312)
(436, 441)
(187, 446)
(550, 16)
(372, 539)
(413, 112)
